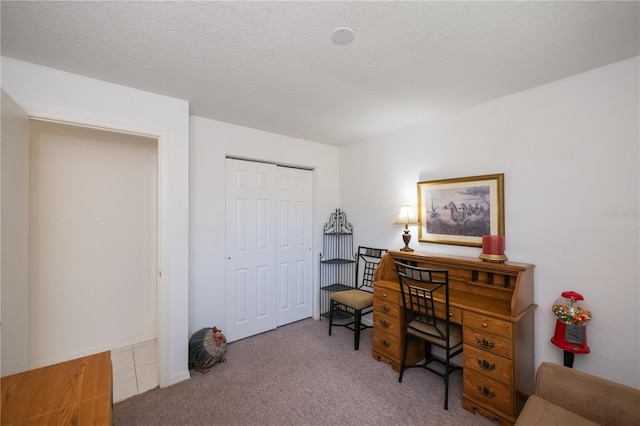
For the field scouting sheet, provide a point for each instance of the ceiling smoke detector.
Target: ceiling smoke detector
(342, 35)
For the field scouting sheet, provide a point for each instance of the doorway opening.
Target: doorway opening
(93, 248)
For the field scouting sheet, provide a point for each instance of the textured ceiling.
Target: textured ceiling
(273, 66)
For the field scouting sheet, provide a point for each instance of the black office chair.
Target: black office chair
(359, 301)
(418, 287)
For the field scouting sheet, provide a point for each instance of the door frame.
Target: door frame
(163, 237)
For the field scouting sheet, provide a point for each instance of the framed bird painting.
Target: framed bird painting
(461, 210)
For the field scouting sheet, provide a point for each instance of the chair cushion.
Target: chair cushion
(355, 299)
(540, 412)
(428, 332)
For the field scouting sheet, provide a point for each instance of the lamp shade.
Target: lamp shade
(407, 216)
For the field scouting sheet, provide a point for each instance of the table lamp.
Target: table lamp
(406, 217)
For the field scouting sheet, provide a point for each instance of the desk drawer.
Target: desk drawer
(487, 342)
(489, 365)
(392, 297)
(488, 324)
(386, 344)
(386, 323)
(455, 314)
(489, 392)
(386, 307)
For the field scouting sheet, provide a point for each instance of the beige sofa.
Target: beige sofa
(564, 396)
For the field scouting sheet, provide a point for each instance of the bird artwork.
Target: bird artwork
(206, 349)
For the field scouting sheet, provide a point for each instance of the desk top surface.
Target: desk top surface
(500, 289)
(76, 389)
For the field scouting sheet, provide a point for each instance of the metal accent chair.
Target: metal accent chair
(421, 289)
(359, 301)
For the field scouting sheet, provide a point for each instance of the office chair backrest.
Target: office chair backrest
(368, 259)
(418, 287)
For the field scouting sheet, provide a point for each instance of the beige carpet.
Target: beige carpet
(298, 375)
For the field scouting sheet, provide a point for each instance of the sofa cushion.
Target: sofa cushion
(595, 398)
(539, 412)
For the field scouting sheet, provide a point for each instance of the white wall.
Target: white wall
(569, 153)
(92, 241)
(14, 228)
(55, 94)
(211, 142)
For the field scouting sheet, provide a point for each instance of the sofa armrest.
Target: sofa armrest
(595, 398)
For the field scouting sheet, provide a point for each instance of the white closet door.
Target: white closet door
(251, 248)
(295, 198)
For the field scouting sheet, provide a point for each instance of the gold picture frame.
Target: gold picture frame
(460, 211)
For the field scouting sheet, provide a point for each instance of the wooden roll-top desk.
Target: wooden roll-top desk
(494, 304)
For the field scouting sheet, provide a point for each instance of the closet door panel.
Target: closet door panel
(295, 224)
(251, 248)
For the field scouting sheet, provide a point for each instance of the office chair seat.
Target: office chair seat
(355, 299)
(429, 332)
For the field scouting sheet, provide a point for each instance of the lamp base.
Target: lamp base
(406, 237)
(496, 258)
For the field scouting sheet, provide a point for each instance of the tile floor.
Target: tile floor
(135, 369)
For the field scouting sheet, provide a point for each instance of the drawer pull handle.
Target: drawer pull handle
(486, 392)
(384, 294)
(384, 323)
(484, 325)
(487, 344)
(486, 365)
(385, 344)
(450, 314)
(385, 308)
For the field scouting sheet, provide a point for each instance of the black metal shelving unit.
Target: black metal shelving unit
(337, 261)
